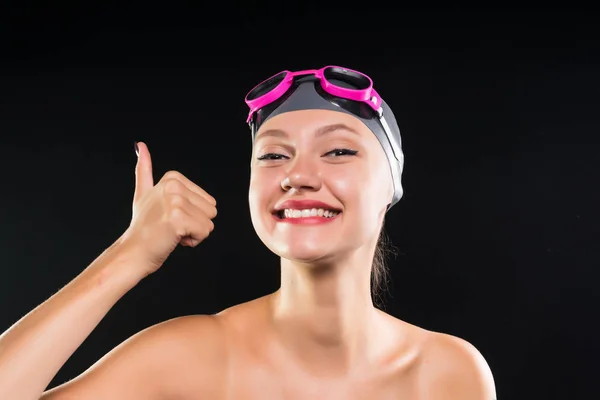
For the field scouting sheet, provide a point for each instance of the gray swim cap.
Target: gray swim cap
(306, 94)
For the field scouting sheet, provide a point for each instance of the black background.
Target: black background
(496, 234)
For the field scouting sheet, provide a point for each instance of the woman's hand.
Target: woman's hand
(174, 211)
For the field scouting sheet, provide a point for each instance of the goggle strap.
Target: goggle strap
(388, 132)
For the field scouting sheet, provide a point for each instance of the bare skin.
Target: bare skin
(318, 336)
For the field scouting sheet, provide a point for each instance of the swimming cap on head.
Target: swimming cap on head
(307, 94)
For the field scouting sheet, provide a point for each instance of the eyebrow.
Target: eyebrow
(323, 130)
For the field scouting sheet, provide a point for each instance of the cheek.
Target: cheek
(255, 193)
(363, 189)
(351, 185)
(263, 189)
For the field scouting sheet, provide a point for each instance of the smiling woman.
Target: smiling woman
(326, 167)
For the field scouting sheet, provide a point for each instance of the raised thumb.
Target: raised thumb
(143, 171)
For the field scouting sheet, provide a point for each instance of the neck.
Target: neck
(323, 313)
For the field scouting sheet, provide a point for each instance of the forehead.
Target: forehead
(317, 122)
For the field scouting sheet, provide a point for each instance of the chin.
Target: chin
(305, 247)
(304, 252)
(311, 248)
(305, 243)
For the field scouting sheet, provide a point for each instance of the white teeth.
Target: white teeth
(314, 212)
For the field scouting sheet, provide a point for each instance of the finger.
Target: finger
(143, 172)
(201, 228)
(178, 195)
(208, 208)
(190, 185)
(191, 224)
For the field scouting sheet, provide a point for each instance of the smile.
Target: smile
(311, 216)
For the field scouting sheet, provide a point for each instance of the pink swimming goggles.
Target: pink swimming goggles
(276, 86)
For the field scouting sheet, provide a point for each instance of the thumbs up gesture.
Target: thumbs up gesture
(174, 211)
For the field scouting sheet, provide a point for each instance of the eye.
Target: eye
(342, 152)
(271, 156)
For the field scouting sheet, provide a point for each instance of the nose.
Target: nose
(302, 176)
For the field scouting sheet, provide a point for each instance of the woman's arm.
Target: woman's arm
(35, 348)
(183, 358)
(174, 211)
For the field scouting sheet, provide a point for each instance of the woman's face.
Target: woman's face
(318, 156)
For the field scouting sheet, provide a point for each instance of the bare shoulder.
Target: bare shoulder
(182, 357)
(249, 310)
(452, 368)
(199, 337)
(193, 353)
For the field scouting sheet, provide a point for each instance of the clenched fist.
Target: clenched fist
(174, 211)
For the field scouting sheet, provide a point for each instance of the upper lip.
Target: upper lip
(304, 205)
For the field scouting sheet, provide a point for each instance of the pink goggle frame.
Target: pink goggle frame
(276, 86)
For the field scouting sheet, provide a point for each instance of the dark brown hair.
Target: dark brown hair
(379, 270)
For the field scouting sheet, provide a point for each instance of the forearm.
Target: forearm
(34, 349)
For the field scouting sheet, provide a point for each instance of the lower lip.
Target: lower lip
(306, 220)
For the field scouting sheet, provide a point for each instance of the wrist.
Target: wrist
(120, 265)
(129, 258)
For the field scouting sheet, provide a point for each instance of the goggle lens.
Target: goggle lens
(266, 86)
(356, 80)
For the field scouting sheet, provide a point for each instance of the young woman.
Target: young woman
(326, 167)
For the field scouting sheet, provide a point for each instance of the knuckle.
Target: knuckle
(176, 200)
(172, 175)
(211, 199)
(175, 214)
(172, 186)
